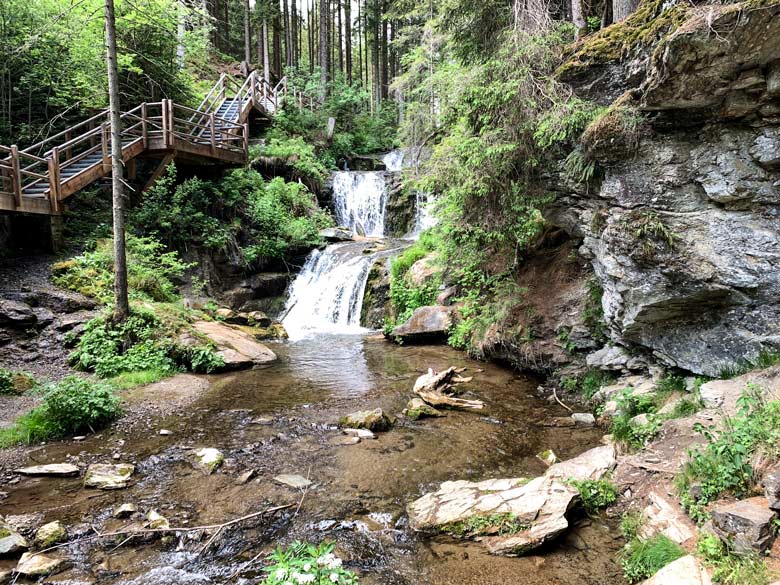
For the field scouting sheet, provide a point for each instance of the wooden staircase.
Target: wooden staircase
(39, 178)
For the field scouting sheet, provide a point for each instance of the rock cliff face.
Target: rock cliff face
(682, 223)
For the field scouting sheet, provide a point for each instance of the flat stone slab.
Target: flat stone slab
(105, 476)
(540, 505)
(236, 348)
(373, 420)
(39, 565)
(666, 517)
(425, 323)
(686, 570)
(11, 541)
(293, 481)
(208, 459)
(592, 464)
(52, 469)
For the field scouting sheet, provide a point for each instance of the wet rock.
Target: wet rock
(237, 349)
(560, 421)
(639, 421)
(208, 459)
(124, 510)
(53, 469)
(746, 525)
(592, 464)
(724, 394)
(26, 524)
(262, 420)
(70, 321)
(376, 301)
(11, 541)
(16, 314)
(417, 408)
(539, 505)
(105, 476)
(686, 570)
(38, 565)
(157, 521)
(426, 323)
(584, 419)
(245, 477)
(336, 234)
(50, 534)
(165, 432)
(447, 296)
(359, 433)
(373, 420)
(5, 577)
(548, 457)
(771, 484)
(293, 481)
(258, 319)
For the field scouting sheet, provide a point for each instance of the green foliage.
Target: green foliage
(765, 359)
(630, 524)
(264, 220)
(307, 563)
(7, 385)
(651, 232)
(492, 524)
(593, 313)
(138, 378)
(404, 295)
(578, 167)
(564, 124)
(152, 273)
(724, 463)
(629, 406)
(70, 406)
(730, 569)
(593, 380)
(641, 559)
(595, 494)
(15, 382)
(296, 152)
(136, 344)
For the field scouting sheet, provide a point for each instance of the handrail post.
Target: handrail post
(252, 86)
(68, 151)
(16, 177)
(213, 131)
(104, 147)
(144, 130)
(54, 180)
(171, 130)
(164, 117)
(246, 141)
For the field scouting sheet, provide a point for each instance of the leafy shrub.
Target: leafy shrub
(307, 563)
(6, 382)
(138, 343)
(629, 406)
(595, 494)
(76, 404)
(70, 406)
(405, 296)
(724, 463)
(15, 382)
(641, 559)
(299, 154)
(152, 273)
(728, 568)
(501, 524)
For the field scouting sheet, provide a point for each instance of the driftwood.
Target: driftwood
(436, 389)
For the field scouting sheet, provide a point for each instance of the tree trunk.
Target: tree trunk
(377, 49)
(323, 48)
(286, 27)
(247, 38)
(310, 35)
(266, 56)
(360, 44)
(181, 11)
(339, 38)
(385, 61)
(578, 18)
(622, 9)
(277, 46)
(121, 301)
(294, 31)
(348, 37)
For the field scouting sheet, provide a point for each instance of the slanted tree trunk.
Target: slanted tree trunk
(348, 37)
(578, 18)
(121, 301)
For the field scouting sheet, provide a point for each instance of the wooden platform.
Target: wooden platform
(39, 178)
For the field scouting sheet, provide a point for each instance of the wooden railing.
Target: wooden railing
(58, 166)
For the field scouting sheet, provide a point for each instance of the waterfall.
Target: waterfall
(359, 201)
(327, 295)
(423, 213)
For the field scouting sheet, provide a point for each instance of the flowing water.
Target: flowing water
(280, 419)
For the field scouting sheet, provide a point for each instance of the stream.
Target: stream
(281, 419)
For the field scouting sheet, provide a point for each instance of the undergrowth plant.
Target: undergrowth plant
(595, 494)
(728, 568)
(641, 559)
(491, 524)
(302, 563)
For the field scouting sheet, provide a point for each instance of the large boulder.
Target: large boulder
(336, 234)
(236, 348)
(686, 570)
(39, 565)
(592, 464)
(11, 541)
(425, 324)
(747, 525)
(724, 394)
(16, 314)
(538, 506)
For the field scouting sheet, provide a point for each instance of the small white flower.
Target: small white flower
(280, 574)
(334, 577)
(307, 567)
(304, 577)
(334, 563)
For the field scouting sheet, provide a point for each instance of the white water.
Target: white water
(327, 295)
(359, 200)
(423, 213)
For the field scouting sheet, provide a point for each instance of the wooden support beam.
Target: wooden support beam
(16, 178)
(131, 169)
(144, 129)
(159, 170)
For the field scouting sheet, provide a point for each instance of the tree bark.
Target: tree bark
(266, 56)
(622, 9)
(360, 44)
(247, 37)
(606, 15)
(348, 38)
(339, 38)
(385, 61)
(578, 18)
(181, 11)
(286, 26)
(294, 31)
(324, 48)
(377, 49)
(121, 300)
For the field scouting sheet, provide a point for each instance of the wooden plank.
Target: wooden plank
(28, 204)
(16, 176)
(159, 170)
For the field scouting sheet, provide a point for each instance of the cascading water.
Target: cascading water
(359, 201)
(327, 295)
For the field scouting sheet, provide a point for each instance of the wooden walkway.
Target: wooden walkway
(39, 178)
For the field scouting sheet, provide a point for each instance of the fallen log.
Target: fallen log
(436, 398)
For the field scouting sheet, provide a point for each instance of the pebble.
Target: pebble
(165, 432)
(79, 437)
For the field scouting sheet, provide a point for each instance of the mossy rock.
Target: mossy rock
(50, 534)
(373, 420)
(417, 408)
